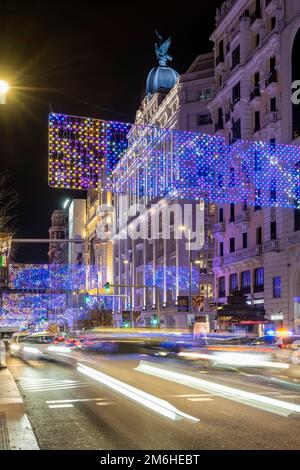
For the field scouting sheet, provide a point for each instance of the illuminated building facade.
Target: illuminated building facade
(257, 47)
(162, 264)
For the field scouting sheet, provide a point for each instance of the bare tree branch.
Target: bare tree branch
(8, 203)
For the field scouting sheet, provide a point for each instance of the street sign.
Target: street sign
(126, 314)
(136, 316)
(183, 303)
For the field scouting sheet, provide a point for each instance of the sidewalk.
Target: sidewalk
(15, 429)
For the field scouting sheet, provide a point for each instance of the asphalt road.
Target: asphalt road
(68, 410)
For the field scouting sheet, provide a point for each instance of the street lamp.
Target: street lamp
(183, 228)
(4, 87)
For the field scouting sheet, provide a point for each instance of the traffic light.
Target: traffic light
(107, 287)
(154, 320)
(86, 298)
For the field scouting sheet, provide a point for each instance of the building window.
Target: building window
(276, 287)
(204, 119)
(256, 121)
(221, 283)
(233, 282)
(235, 57)
(258, 279)
(236, 93)
(232, 214)
(258, 236)
(236, 130)
(221, 214)
(205, 95)
(245, 240)
(273, 230)
(232, 245)
(273, 22)
(257, 40)
(221, 249)
(273, 107)
(246, 280)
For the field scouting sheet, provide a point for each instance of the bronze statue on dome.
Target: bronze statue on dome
(161, 50)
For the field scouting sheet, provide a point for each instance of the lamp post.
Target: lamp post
(4, 87)
(183, 228)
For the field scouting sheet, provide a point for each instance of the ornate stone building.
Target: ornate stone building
(256, 47)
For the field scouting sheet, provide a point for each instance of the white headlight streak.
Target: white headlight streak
(263, 402)
(155, 404)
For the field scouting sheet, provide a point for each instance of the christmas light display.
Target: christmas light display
(25, 310)
(84, 151)
(53, 277)
(165, 277)
(157, 162)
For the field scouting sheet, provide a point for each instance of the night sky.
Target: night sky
(83, 58)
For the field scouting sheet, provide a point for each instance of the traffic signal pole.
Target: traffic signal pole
(142, 286)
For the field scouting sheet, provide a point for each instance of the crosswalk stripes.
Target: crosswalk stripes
(30, 384)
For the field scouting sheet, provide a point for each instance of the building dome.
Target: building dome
(161, 78)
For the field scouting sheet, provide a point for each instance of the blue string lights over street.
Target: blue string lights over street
(156, 162)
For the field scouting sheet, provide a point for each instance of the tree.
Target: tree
(8, 202)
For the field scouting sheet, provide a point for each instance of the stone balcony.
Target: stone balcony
(243, 254)
(219, 227)
(271, 6)
(256, 21)
(271, 245)
(255, 97)
(271, 83)
(270, 118)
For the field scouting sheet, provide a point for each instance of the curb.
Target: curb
(15, 429)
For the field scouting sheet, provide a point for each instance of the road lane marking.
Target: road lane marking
(265, 403)
(200, 399)
(66, 405)
(53, 389)
(103, 403)
(190, 395)
(151, 402)
(74, 400)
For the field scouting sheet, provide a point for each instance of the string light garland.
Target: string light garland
(157, 162)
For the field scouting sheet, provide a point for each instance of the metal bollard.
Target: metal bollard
(2, 354)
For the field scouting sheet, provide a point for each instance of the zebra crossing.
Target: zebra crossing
(30, 384)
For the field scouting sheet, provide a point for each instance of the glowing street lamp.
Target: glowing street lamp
(4, 87)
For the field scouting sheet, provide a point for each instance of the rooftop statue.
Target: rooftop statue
(161, 50)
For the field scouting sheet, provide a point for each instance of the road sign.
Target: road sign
(183, 303)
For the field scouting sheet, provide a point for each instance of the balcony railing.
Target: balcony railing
(243, 254)
(219, 59)
(246, 290)
(258, 288)
(227, 116)
(271, 78)
(219, 227)
(255, 16)
(271, 245)
(243, 217)
(254, 93)
(270, 117)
